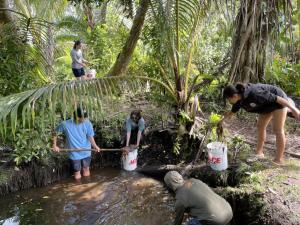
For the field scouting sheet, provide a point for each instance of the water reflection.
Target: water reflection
(109, 197)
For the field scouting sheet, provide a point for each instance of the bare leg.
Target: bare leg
(262, 123)
(77, 175)
(278, 126)
(86, 172)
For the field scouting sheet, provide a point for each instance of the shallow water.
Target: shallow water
(108, 197)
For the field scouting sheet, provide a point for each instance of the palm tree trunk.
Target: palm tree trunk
(88, 11)
(253, 28)
(123, 59)
(103, 12)
(4, 14)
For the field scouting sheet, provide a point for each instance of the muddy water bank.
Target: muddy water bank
(109, 197)
(57, 168)
(156, 151)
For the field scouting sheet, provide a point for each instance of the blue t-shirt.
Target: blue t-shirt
(131, 125)
(77, 136)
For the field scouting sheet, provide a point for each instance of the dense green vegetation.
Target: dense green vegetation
(187, 49)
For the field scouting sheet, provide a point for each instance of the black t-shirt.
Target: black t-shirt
(260, 98)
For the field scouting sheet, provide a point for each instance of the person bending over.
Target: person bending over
(270, 102)
(199, 200)
(135, 126)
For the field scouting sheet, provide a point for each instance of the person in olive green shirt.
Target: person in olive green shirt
(202, 203)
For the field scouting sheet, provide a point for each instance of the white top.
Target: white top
(77, 58)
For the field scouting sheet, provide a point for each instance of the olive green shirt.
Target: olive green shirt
(202, 203)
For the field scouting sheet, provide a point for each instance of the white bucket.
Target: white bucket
(217, 154)
(130, 160)
(91, 73)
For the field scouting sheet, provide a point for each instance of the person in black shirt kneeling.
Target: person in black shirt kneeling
(270, 102)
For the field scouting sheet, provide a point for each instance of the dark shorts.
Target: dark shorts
(194, 221)
(78, 72)
(82, 163)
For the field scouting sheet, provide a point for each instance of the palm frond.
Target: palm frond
(63, 98)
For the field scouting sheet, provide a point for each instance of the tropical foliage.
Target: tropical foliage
(185, 49)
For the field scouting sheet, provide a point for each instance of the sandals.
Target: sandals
(278, 164)
(255, 158)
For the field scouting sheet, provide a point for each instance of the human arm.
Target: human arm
(59, 129)
(128, 131)
(76, 59)
(286, 103)
(90, 135)
(94, 145)
(85, 61)
(128, 134)
(179, 210)
(139, 135)
(227, 116)
(54, 143)
(141, 125)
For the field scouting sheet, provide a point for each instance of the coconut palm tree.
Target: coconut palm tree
(176, 23)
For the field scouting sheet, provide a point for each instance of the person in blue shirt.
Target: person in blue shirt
(79, 134)
(135, 126)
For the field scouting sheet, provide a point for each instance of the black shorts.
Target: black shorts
(82, 163)
(78, 72)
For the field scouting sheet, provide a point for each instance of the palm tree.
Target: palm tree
(177, 23)
(257, 22)
(32, 19)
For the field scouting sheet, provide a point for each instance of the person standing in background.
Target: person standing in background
(78, 62)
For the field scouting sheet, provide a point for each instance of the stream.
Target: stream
(108, 197)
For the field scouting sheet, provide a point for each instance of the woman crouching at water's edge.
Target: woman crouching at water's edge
(270, 102)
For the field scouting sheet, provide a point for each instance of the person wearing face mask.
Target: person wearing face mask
(198, 200)
(269, 102)
(135, 126)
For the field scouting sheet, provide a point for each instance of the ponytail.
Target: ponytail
(76, 43)
(230, 90)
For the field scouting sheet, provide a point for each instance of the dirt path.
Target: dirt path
(247, 128)
(280, 185)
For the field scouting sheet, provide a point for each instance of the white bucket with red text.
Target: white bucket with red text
(130, 160)
(217, 155)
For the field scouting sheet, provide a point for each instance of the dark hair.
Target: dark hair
(76, 43)
(230, 90)
(80, 113)
(137, 113)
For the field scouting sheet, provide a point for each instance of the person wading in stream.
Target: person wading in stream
(79, 135)
(202, 204)
(135, 126)
(270, 102)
